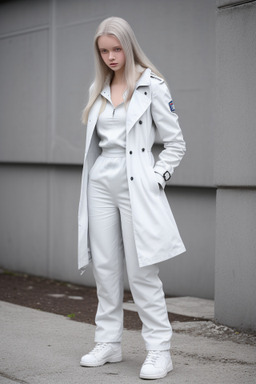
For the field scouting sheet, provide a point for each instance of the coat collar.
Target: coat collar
(144, 79)
(137, 106)
(106, 93)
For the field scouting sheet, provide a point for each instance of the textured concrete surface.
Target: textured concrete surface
(39, 347)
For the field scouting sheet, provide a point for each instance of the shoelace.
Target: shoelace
(98, 347)
(152, 357)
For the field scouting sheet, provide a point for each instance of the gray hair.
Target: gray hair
(136, 60)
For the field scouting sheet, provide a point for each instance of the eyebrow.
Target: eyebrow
(116, 46)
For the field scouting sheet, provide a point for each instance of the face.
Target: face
(111, 52)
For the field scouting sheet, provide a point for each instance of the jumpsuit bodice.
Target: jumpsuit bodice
(111, 124)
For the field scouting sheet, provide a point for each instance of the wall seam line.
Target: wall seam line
(234, 5)
(24, 31)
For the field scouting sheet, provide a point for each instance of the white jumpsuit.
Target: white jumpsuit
(112, 240)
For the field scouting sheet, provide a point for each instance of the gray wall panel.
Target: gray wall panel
(19, 15)
(72, 73)
(235, 300)
(235, 164)
(192, 273)
(24, 218)
(64, 185)
(23, 97)
(85, 11)
(236, 133)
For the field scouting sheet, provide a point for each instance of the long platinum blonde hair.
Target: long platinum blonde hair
(136, 61)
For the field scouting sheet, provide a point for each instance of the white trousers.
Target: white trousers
(111, 238)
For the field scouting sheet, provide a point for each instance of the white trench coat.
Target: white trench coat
(149, 113)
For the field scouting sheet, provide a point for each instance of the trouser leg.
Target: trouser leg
(106, 247)
(107, 259)
(147, 291)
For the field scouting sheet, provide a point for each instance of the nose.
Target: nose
(111, 55)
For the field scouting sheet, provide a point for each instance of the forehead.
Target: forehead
(108, 41)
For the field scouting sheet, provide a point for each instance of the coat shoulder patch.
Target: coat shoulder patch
(171, 106)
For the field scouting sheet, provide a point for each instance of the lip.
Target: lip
(113, 64)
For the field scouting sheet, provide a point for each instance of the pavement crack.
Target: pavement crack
(111, 373)
(12, 378)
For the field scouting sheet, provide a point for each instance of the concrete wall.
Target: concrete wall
(46, 67)
(235, 165)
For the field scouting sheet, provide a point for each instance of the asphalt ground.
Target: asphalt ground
(39, 347)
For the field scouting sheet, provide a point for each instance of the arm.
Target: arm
(167, 125)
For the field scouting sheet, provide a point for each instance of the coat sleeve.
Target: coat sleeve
(167, 125)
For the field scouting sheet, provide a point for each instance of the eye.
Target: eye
(118, 49)
(103, 51)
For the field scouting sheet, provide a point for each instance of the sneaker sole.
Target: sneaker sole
(115, 359)
(153, 377)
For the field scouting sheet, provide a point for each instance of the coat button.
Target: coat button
(130, 152)
(131, 178)
(145, 93)
(143, 149)
(140, 122)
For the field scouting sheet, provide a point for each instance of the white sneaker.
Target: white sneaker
(156, 365)
(102, 353)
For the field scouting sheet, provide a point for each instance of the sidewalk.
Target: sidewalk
(39, 347)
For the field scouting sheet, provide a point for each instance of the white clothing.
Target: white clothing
(111, 124)
(111, 236)
(149, 115)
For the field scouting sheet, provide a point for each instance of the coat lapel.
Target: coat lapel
(138, 105)
(92, 120)
(139, 102)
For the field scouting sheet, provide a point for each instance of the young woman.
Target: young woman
(123, 210)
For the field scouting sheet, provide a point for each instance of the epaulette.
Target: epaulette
(154, 76)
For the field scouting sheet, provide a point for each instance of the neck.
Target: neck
(119, 78)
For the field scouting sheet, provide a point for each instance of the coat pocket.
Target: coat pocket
(152, 180)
